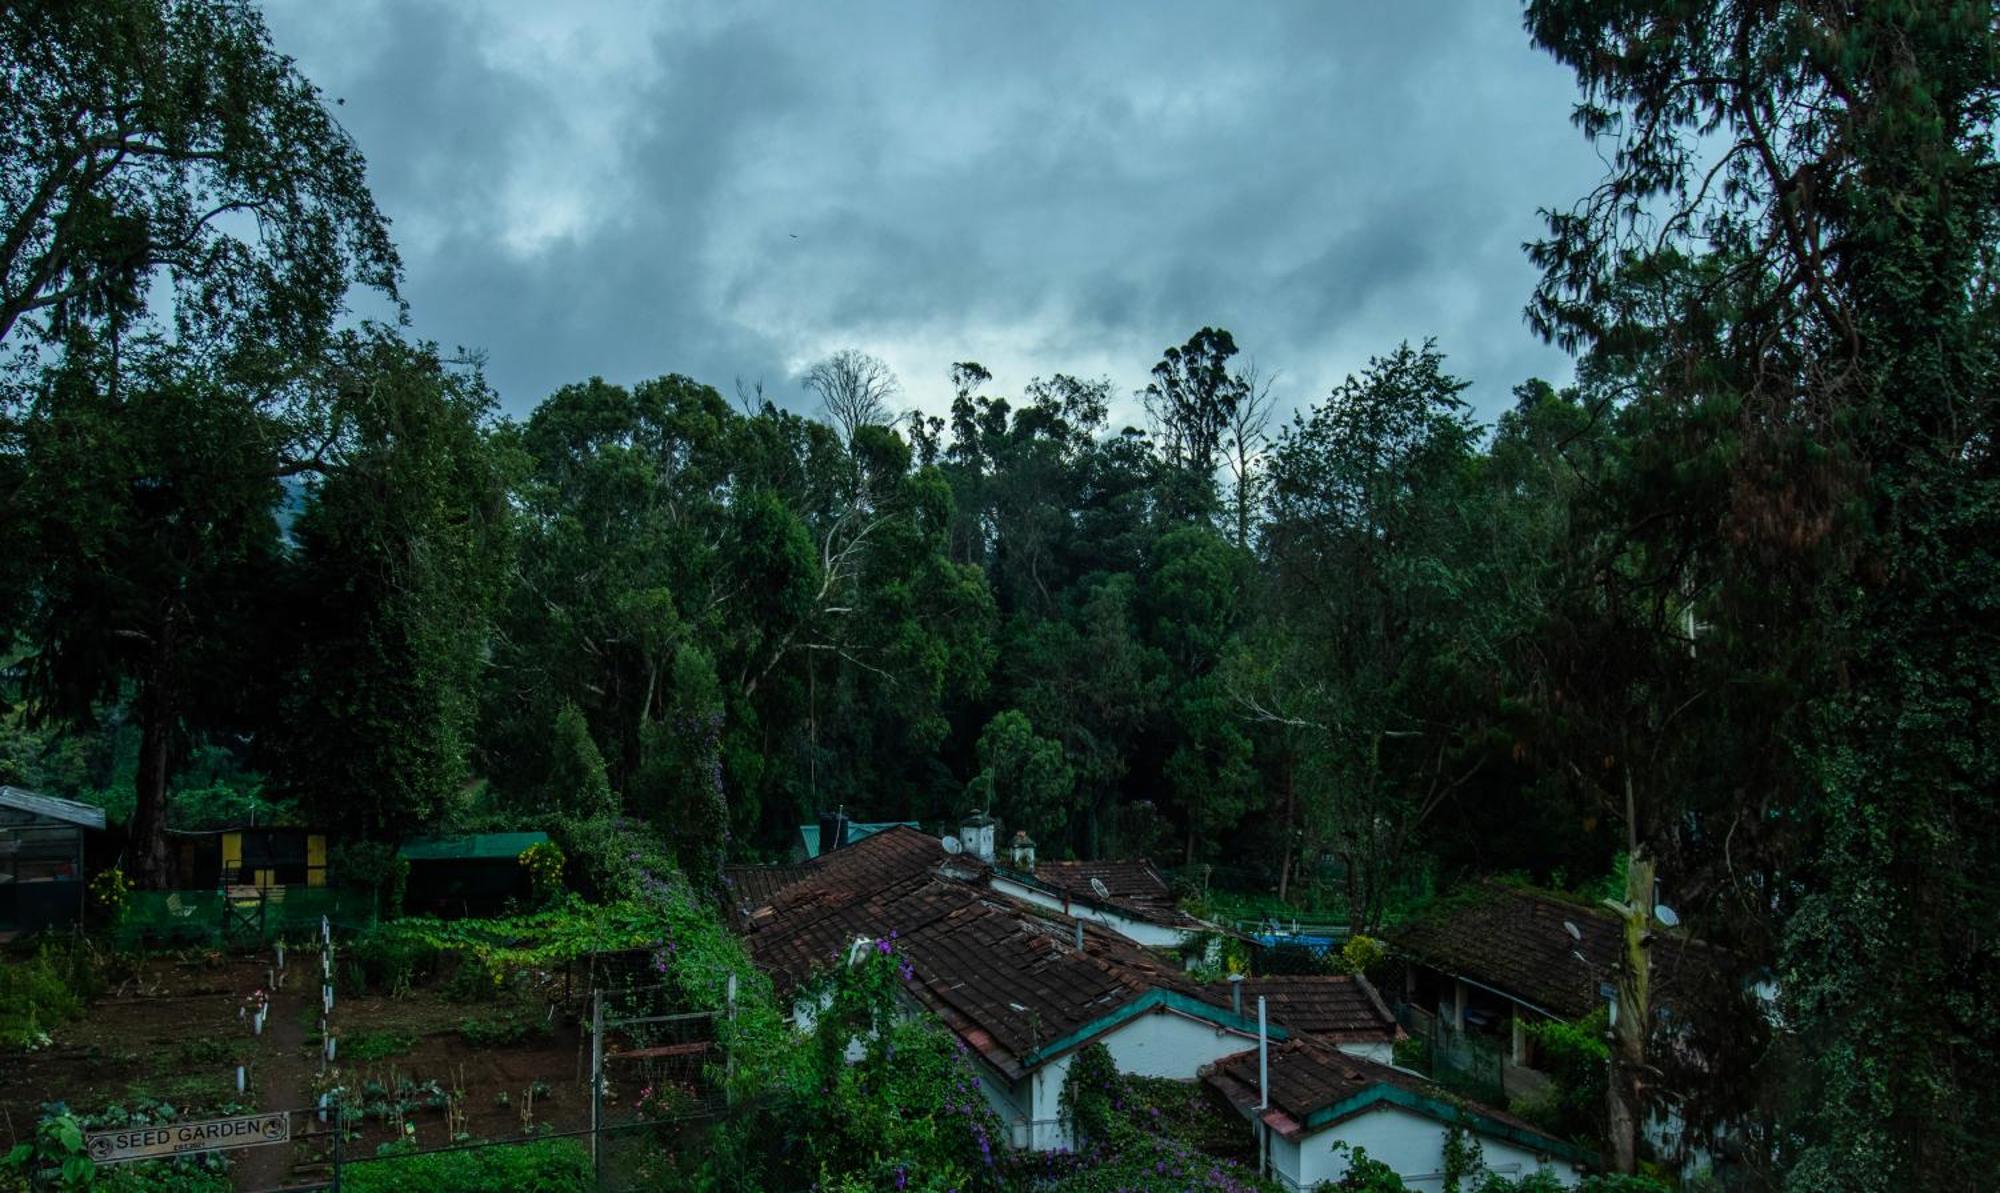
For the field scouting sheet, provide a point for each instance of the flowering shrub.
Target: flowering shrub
(110, 891)
(544, 863)
(1362, 953)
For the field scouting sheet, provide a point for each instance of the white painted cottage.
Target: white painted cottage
(1317, 1106)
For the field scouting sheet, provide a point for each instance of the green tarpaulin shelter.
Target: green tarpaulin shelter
(468, 875)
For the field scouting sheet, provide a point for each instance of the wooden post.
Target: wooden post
(596, 1077)
(339, 1140)
(729, 1056)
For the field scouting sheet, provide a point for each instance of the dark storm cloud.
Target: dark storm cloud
(629, 190)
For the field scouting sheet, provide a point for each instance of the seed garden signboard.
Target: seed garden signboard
(179, 1139)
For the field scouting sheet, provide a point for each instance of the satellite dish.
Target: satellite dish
(951, 845)
(1575, 933)
(1666, 916)
(1104, 892)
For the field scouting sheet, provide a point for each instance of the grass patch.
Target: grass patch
(512, 1029)
(189, 1093)
(545, 1166)
(376, 1045)
(190, 1053)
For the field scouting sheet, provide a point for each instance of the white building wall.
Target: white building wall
(1142, 932)
(1413, 1145)
(1156, 1044)
(1165, 1043)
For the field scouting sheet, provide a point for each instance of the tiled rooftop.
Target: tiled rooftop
(1513, 940)
(1006, 977)
(1334, 1007)
(1308, 1077)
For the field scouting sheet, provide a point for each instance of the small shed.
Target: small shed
(464, 875)
(41, 859)
(247, 855)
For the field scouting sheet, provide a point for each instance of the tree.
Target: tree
(1790, 262)
(1193, 397)
(403, 550)
(1385, 614)
(145, 135)
(854, 390)
(145, 525)
(1243, 450)
(1022, 776)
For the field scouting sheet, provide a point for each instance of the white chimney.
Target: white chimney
(1023, 851)
(978, 834)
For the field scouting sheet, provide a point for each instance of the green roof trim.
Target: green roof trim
(1445, 1112)
(857, 830)
(472, 847)
(1149, 1001)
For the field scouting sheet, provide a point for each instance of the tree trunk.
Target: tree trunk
(1621, 1118)
(1291, 803)
(150, 864)
(1635, 1014)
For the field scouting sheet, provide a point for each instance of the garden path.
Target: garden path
(284, 1082)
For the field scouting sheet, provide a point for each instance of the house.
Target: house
(1495, 958)
(41, 860)
(1022, 987)
(1344, 1010)
(475, 873)
(1315, 1106)
(1486, 964)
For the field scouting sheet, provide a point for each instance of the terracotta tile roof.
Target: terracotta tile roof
(1513, 940)
(1311, 1080)
(1006, 977)
(1336, 1007)
(751, 887)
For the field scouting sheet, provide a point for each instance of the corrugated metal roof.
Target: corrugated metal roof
(470, 846)
(53, 806)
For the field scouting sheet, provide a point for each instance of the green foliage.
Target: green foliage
(1023, 777)
(495, 1033)
(1092, 1094)
(402, 549)
(541, 1166)
(1463, 1157)
(39, 994)
(1362, 953)
(375, 1045)
(1577, 1060)
(907, 1113)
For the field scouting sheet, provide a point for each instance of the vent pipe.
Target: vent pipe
(1263, 1058)
(1236, 994)
(1079, 936)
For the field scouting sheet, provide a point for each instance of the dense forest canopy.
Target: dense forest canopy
(1724, 602)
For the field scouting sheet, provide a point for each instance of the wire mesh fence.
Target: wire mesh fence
(1461, 1061)
(248, 917)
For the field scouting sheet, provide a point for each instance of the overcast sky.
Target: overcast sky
(735, 190)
